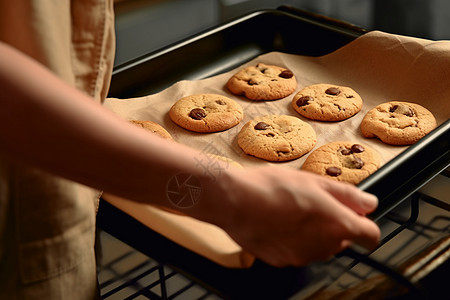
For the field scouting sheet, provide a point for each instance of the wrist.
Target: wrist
(215, 203)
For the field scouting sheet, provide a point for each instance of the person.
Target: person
(60, 147)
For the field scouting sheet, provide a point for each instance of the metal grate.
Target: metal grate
(409, 229)
(125, 273)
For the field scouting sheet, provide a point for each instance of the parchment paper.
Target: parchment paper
(381, 67)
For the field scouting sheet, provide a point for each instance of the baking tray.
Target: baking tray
(221, 49)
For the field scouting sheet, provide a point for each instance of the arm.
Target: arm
(282, 216)
(48, 124)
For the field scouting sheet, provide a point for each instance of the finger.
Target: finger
(364, 233)
(352, 197)
(355, 228)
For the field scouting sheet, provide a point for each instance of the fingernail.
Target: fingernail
(369, 202)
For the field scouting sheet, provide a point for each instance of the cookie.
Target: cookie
(152, 127)
(263, 82)
(327, 102)
(206, 113)
(343, 161)
(277, 137)
(398, 123)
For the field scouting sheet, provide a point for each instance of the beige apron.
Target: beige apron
(47, 224)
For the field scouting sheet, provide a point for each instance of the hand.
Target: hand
(289, 217)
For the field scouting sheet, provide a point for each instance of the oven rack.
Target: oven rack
(133, 275)
(419, 233)
(146, 278)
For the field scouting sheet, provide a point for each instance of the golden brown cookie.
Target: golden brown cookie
(398, 123)
(327, 102)
(343, 161)
(153, 127)
(277, 137)
(263, 82)
(206, 113)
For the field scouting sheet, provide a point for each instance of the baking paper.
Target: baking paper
(381, 67)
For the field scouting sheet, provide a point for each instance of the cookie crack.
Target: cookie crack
(338, 106)
(281, 153)
(290, 146)
(206, 123)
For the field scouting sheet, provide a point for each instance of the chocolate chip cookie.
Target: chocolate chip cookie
(277, 137)
(327, 102)
(152, 127)
(398, 123)
(263, 82)
(206, 113)
(343, 161)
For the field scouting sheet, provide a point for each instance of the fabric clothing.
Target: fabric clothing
(47, 223)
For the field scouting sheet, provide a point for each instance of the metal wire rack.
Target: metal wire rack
(410, 230)
(125, 273)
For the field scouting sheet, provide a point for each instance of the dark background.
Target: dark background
(143, 26)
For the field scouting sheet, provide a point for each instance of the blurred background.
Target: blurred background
(143, 26)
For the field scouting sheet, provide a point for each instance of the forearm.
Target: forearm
(50, 125)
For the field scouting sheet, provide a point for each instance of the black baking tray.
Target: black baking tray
(223, 48)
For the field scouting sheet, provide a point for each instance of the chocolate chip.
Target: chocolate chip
(334, 171)
(356, 148)
(358, 163)
(252, 82)
(402, 109)
(333, 91)
(220, 102)
(197, 114)
(286, 74)
(346, 151)
(393, 108)
(262, 126)
(302, 101)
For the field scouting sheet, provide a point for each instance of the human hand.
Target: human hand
(289, 217)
